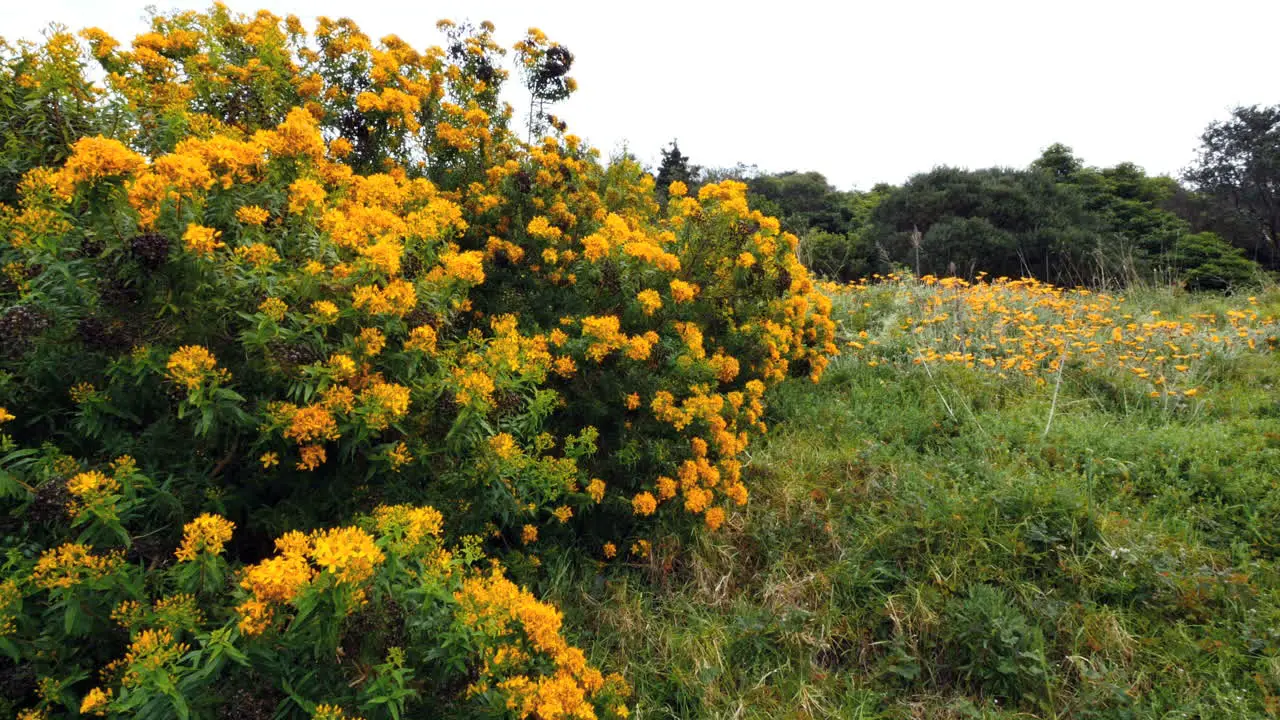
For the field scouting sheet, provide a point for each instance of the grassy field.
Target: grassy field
(1002, 501)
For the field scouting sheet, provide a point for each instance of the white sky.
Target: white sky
(863, 92)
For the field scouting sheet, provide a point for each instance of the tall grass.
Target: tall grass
(921, 542)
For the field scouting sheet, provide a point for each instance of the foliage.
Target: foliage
(839, 256)
(1239, 165)
(895, 499)
(309, 279)
(999, 221)
(1057, 221)
(1206, 262)
(674, 167)
(45, 104)
(804, 200)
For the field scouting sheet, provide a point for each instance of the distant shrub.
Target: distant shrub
(1205, 261)
(839, 256)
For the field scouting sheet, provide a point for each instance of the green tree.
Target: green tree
(1239, 164)
(1060, 161)
(804, 200)
(998, 220)
(1205, 261)
(674, 167)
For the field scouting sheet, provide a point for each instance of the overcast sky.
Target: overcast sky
(863, 92)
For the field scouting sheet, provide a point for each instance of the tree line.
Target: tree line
(1216, 227)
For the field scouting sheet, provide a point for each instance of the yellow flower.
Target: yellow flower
(252, 215)
(208, 533)
(151, 650)
(202, 240)
(398, 298)
(563, 513)
(98, 158)
(682, 291)
(277, 579)
(92, 489)
(650, 301)
(644, 504)
(466, 266)
(540, 227)
(342, 366)
(350, 554)
(504, 446)
(371, 341)
(255, 616)
(6, 416)
(96, 701)
(269, 460)
(304, 194)
(258, 254)
(124, 466)
(421, 339)
(714, 518)
(331, 712)
(311, 458)
(191, 365)
(596, 489)
(384, 403)
(529, 534)
(413, 525)
(312, 422)
(340, 147)
(610, 550)
(324, 310)
(72, 563)
(82, 392)
(677, 189)
(274, 308)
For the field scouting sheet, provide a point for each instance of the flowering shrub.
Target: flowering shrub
(376, 618)
(308, 277)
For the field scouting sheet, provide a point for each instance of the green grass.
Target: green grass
(918, 546)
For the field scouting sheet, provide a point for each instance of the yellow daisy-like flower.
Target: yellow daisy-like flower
(208, 533)
(252, 215)
(644, 504)
(96, 701)
(596, 489)
(202, 240)
(191, 365)
(324, 310)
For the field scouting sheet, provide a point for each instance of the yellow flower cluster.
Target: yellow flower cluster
(409, 527)
(202, 240)
(192, 365)
(504, 612)
(94, 159)
(71, 564)
(1032, 329)
(96, 702)
(397, 298)
(92, 490)
(150, 651)
(207, 534)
